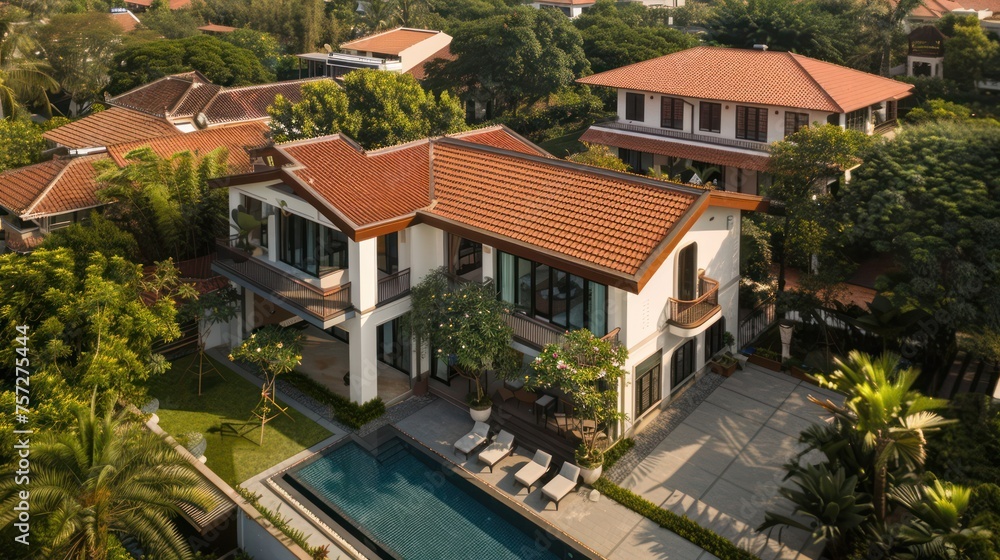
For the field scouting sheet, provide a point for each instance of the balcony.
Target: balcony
(886, 127)
(690, 136)
(311, 302)
(533, 332)
(393, 287)
(687, 315)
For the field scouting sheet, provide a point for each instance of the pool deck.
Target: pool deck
(604, 526)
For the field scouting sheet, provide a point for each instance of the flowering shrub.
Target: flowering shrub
(589, 370)
(273, 349)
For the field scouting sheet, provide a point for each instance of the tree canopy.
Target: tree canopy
(21, 143)
(221, 62)
(512, 58)
(80, 47)
(375, 108)
(930, 197)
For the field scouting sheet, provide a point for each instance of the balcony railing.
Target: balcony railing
(669, 133)
(393, 286)
(691, 313)
(533, 332)
(885, 127)
(323, 304)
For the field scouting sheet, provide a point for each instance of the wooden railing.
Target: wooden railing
(323, 304)
(884, 127)
(393, 286)
(669, 133)
(533, 332)
(691, 313)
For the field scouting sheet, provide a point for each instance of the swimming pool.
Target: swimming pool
(402, 503)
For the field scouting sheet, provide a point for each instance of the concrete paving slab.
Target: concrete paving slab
(743, 405)
(761, 384)
(647, 541)
(790, 424)
(731, 428)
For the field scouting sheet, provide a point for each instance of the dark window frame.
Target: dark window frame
(671, 113)
(857, 120)
(795, 122)
(710, 116)
(751, 123)
(648, 378)
(400, 357)
(682, 362)
(635, 106)
(714, 338)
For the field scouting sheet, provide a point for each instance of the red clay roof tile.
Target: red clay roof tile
(753, 76)
(673, 148)
(391, 42)
(107, 127)
(52, 187)
(233, 138)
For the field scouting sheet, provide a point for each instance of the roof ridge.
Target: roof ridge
(376, 34)
(395, 147)
(48, 187)
(270, 84)
(798, 63)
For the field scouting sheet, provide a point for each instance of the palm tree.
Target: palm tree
(379, 15)
(108, 478)
(23, 79)
(936, 530)
(828, 505)
(885, 18)
(883, 407)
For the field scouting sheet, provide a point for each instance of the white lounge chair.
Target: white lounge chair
(472, 440)
(562, 484)
(529, 474)
(502, 446)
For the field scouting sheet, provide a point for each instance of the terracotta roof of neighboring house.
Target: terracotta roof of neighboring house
(174, 4)
(566, 2)
(126, 20)
(501, 137)
(608, 219)
(420, 72)
(213, 28)
(391, 42)
(52, 187)
(677, 148)
(24, 244)
(934, 8)
(251, 102)
(991, 5)
(111, 126)
(159, 97)
(233, 138)
(754, 76)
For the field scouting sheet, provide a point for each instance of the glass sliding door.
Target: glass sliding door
(682, 364)
(310, 247)
(393, 346)
(687, 273)
(465, 258)
(388, 253)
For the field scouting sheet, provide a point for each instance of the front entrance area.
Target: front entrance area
(327, 360)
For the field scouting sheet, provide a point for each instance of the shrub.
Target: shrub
(349, 413)
(281, 523)
(669, 520)
(612, 455)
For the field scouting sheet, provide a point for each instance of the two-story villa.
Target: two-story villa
(712, 111)
(349, 231)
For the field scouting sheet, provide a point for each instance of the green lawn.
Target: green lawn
(229, 400)
(562, 146)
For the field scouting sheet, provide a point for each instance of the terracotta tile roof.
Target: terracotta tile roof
(234, 138)
(174, 4)
(612, 220)
(357, 183)
(752, 76)
(934, 8)
(52, 187)
(676, 148)
(194, 100)
(420, 72)
(391, 42)
(159, 97)
(126, 20)
(213, 28)
(568, 2)
(991, 5)
(111, 126)
(251, 102)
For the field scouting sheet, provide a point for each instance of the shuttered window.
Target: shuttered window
(635, 108)
(714, 339)
(795, 121)
(647, 384)
(671, 113)
(710, 118)
(751, 123)
(682, 364)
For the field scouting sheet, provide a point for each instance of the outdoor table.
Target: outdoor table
(543, 404)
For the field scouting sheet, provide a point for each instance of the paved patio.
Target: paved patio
(326, 360)
(721, 465)
(606, 527)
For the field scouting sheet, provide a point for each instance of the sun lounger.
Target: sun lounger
(562, 484)
(529, 474)
(502, 446)
(472, 440)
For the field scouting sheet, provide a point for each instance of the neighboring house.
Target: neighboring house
(178, 103)
(47, 196)
(213, 29)
(143, 5)
(712, 111)
(348, 232)
(572, 8)
(400, 50)
(125, 19)
(987, 11)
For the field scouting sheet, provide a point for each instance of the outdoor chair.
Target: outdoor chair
(564, 483)
(505, 395)
(564, 422)
(524, 396)
(529, 474)
(472, 440)
(502, 447)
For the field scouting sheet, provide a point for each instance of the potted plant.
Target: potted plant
(466, 325)
(244, 224)
(589, 370)
(767, 358)
(723, 364)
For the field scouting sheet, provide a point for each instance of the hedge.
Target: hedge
(349, 413)
(612, 455)
(281, 523)
(708, 540)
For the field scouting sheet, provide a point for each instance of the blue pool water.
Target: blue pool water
(418, 510)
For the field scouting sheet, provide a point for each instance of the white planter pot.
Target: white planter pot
(590, 476)
(480, 415)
